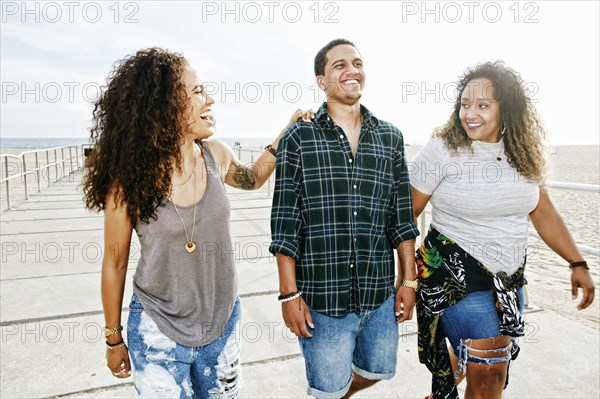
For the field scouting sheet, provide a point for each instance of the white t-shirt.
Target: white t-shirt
(480, 202)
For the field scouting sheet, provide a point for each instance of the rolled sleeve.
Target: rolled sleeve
(407, 231)
(286, 220)
(287, 248)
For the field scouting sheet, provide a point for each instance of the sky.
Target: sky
(256, 58)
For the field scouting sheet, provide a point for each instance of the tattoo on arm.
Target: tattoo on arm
(244, 177)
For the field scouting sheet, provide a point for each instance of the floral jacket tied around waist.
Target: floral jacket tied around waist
(447, 273)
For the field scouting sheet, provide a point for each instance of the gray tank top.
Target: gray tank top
(190, 296)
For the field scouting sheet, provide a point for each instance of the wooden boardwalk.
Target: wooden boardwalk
(51, 317)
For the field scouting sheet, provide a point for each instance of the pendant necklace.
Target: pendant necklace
(498, 157)
(188, 178)
(189, 245)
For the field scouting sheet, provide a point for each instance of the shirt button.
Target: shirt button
(341, 136)
(355, 186)
(355, 213)
(350, 160)
(351, 265)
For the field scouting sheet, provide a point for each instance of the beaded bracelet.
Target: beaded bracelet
(289, 297)
(119, 344)
(271, 150)
(578, 264)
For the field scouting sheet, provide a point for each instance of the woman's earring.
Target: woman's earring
(503, 130)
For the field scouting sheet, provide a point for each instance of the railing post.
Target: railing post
(48, 167)
(71, 160)
(7, 182)
(25, 176)
(62, 154)
(77, 157)
(55, 164)
(37, 170)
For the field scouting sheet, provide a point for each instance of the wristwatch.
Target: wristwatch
(414, 284)
(108, 331)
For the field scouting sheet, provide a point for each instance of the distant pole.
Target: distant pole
(77, 157)
(37, 170)
(25, 177)
(48, 167)
(71, 159)
(7, 182)
(55, 165)
(62, 154)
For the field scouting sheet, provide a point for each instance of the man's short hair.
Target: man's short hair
(321, 57)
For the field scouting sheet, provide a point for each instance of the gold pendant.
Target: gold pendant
(190, 247)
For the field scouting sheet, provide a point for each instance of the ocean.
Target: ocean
(28, 143)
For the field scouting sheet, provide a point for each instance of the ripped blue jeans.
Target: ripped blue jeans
(165, 369)
(475, 317)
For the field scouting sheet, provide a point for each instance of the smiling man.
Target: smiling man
(341, 206)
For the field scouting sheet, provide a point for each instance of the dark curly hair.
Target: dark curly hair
(321, 57)
(137, 129)
(523, 133)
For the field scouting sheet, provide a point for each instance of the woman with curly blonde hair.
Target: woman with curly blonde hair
(483, 173)
(153, 171)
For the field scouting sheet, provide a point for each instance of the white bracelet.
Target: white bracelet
(295, 296)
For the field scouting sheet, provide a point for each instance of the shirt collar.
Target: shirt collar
(323, 116)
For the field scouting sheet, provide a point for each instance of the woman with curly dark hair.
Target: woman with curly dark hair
(483, 174)
(153, 172)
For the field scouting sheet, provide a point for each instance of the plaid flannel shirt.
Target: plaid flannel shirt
(341, 216)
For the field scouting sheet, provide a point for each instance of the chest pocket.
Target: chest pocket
(377, 177)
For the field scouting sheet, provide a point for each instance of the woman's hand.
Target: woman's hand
(580, 278)
(305, 114)
(117, 360)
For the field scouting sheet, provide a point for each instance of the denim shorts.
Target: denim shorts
(165, 369)
(474, 317)
(364, 342)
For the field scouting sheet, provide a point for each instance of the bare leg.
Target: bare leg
(359, 383)
(486, 381)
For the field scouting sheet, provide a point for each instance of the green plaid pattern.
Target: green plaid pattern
(341, 216)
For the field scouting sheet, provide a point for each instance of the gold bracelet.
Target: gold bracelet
(414, 284)
(108, 331)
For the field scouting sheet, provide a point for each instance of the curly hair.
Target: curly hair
(524, 134)
(138, 125)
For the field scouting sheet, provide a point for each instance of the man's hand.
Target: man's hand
(297, 316)
(405, 302)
